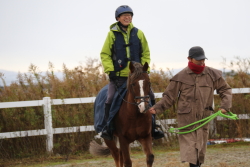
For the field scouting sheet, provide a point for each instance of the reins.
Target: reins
(122, 96)
(136, 97)
(208, 119)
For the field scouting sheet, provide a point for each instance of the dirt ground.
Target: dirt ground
(219, 155)
(222, 156)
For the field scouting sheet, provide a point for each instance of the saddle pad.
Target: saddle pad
(99, 106)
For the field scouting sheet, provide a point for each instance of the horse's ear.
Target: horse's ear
(131, 67)
(145, 67)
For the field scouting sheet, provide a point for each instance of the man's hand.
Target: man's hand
(152, 110)
(223, 111)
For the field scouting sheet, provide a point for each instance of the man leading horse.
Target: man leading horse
(193, 90)
(124, 44)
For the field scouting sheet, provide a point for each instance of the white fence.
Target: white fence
(49, 130)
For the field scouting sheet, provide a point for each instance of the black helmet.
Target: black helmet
(123, 9)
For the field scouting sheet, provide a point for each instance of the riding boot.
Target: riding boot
(156, 134)
(107, 132)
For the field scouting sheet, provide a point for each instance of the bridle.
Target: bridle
(143, 98)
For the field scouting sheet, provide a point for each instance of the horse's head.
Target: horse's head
(139, 85)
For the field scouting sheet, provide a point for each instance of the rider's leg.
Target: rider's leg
(156, 134)
(107, 132)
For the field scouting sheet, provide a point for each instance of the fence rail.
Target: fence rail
(49, 130)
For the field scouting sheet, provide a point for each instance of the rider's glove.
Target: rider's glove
(112, 76)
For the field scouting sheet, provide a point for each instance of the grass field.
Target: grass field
(221, 155)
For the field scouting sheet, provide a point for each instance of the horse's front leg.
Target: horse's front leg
(115, 152)
(121, 158)
(147, 148)
(124, 146)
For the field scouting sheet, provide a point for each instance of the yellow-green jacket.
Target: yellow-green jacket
(106, 53)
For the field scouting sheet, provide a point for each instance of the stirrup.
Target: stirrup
(158, 126)
(158, 134)
(106, 135)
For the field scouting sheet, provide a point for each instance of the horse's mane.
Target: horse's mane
(137, 72)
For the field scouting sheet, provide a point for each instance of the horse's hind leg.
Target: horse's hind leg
(115, 152)
(147, 148)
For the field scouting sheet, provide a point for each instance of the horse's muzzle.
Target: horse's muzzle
(143, 103)
(146, 109)
(143, 108)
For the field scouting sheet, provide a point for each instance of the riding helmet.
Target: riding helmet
(123, 9)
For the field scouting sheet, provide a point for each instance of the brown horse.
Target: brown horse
(132, 122)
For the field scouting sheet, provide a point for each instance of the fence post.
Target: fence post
(48, 123)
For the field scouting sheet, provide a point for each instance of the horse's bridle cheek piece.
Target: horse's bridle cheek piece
(140, 99)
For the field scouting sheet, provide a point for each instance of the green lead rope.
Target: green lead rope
(208, 119)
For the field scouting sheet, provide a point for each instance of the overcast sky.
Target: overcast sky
(69, 31)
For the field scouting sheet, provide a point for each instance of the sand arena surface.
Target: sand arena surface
(238, 156)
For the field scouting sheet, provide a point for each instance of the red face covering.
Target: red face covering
(195, 68)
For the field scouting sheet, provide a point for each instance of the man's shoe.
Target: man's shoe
(106, 135)
(158, 134)
(192, 165)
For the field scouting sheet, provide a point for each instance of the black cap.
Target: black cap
(197, 53)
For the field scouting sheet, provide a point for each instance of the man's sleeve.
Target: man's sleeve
(225, 93)
(169, 97)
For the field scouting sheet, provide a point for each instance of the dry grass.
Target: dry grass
(86, 81)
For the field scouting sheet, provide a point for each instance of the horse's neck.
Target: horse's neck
(130, 102)
(129, 97)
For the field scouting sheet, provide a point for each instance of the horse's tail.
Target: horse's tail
(98, 150)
